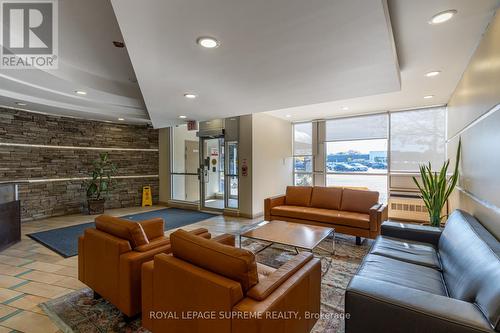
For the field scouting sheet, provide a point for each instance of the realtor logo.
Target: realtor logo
(29, 34)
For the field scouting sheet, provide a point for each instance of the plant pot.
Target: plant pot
(96, 206)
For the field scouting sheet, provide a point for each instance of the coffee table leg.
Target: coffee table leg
(333, 242)
(239, 236)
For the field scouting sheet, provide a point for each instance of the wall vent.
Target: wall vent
(410, 208)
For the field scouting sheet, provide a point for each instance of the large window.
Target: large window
(185, 162)
(356, 153)
(302, 154)
(417, 137)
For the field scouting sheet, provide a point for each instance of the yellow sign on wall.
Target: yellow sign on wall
(147, 199)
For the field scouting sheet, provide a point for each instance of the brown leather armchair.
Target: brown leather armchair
(204, 286)
(110, 257)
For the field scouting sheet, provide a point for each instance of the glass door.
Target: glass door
(212, 167)
(231, 176)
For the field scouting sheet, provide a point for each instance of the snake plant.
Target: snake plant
(436, 187)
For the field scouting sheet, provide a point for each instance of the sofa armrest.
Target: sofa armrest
(153, 244)
(153, 228)
(413, 232)
(271, 202)
(129, 281)
(226, 239)
(299, 294)
(378, 306)
(378, 214)
(264, 288)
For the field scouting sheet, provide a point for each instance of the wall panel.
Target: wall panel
(474, 115)
(51, 155)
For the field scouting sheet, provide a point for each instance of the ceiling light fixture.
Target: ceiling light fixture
(428, 96)
(442, 16)
(121, 119)
(182, 117)
(345, 108)
(190, 95)
(433, 73)
(208, 42)
(21, 104)
(80, 92)
(288, 116)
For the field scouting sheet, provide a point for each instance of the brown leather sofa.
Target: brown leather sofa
(350, 211)
(204, 286)
(110, 257)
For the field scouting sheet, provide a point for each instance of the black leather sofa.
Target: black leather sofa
(422, 279)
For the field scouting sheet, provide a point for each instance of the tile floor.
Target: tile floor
(30, 273)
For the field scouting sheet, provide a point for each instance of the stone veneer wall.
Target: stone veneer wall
(51, 155)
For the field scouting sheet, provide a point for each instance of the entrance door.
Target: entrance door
(212, 173)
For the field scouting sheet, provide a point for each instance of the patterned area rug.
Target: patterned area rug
(79, 312)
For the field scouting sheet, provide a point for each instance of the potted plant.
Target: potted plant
(436, 187)
(100, 184)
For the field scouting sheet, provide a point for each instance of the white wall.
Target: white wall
(271, 158)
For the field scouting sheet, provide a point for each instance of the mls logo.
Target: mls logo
(29, 34)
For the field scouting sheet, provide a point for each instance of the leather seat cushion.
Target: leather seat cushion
(359, 201)
(131, 231)
(264, 271)
(298, 195)
(403, 274)
(326, 197)
(322, 215)
(413, 252)
(234, 263)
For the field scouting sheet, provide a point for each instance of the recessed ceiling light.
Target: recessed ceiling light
(80, 92)
(433, 73)
(428, 96)
(21, 104)
(182, 117)
(121, 119)
(190, 95)
(442, 16)
(345, 108)
(208, 42)
(288, 116)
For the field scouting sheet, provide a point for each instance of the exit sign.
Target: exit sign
(192, 125)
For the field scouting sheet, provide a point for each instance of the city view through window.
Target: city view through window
(358, 163)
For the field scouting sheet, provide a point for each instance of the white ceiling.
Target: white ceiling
(306, 59)
(88, 61)
(273, 54)
(421, 48)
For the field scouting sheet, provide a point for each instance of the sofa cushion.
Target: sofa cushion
(322, 215)
(131, 231)
(234, 263)
(470, 256)
(359, 201)
(298, 195)
(409, 251)
(403, 274)
(326, 197)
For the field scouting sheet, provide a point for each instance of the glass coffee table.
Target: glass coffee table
(296, 235)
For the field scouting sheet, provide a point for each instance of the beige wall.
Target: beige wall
(245, 154)
(272, 162)
(473, 115)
